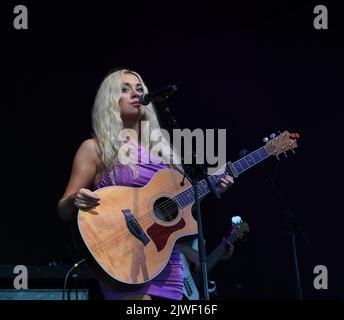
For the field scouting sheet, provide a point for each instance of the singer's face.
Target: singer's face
(131, 110)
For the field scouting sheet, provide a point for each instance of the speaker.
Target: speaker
(43, 294)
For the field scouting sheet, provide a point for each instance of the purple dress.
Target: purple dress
(169, 283)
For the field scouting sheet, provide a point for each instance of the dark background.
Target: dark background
(252, 68)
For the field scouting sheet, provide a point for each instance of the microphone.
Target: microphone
(157, 95)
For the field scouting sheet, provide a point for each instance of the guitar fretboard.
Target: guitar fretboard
(219, 251)
(214, 258)
(187, 197)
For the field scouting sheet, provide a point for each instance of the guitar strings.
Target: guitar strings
(166, 205)
(196, 275)
(171, 202)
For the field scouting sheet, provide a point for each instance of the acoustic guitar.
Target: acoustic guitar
(128, 238)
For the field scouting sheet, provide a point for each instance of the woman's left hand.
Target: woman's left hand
(224, 184)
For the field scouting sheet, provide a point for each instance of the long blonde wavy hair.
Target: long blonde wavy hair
(107, 124)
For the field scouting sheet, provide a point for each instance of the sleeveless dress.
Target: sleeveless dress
(169, 283)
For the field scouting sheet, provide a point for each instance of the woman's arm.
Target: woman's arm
(190, 253)
(77, 194)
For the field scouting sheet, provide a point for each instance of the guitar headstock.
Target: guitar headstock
(282, 143)
(239, 227)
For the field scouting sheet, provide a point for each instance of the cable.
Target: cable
(76, 265)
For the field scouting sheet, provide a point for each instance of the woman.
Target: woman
(96, 165)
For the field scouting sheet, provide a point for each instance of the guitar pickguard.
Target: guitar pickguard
(159, 234)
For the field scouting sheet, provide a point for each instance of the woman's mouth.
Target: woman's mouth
(135, 104)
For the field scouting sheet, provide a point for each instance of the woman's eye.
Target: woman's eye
(124, 89)
(140, 89)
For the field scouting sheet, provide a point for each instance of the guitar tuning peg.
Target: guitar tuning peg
(293, 151)
(265, 140)
(294, 136)
(285, 154)
(272, 135)
(236, 219)
(279, 131)
(277, 157)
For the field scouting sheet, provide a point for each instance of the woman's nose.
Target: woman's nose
(135, 93)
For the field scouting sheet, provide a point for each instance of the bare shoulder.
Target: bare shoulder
(89, 144)
(84, 169)
(89, 149)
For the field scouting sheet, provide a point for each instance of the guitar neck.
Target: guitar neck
(215, 256)
(187, 197)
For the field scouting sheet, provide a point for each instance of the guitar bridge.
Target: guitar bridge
(134, 227)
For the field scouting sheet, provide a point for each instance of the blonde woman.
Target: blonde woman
(96, 165)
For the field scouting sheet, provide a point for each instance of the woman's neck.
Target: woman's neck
(134, 126)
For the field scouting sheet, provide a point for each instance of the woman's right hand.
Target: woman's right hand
(85, 199)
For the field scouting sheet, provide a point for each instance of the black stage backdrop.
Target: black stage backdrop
(251, 68)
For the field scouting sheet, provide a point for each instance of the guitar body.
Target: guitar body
(190, 289)
(130, 236)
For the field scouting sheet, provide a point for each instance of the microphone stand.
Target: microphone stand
(294, 228)
(195, 171)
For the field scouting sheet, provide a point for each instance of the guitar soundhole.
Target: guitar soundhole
(165, 209)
